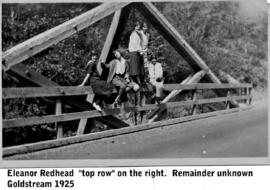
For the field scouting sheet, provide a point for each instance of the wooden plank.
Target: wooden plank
(208, 86)
(81, 126)
(155, 17)
(194, 99)
(24, 73)
(31, 92)
(109, 39)
(199, 102)
(228, 96)
(228, 77)
(249, 93)
(175, 92)
(30, 76)
(114, 38)
(52, 36)
(117, 22)
(59, 127)
(22, 149)
(19, 122)
(222, 99)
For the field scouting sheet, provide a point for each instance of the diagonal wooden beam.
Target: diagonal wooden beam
(112, 40)
(155, 17)
(26, 74)
(103, 57)
(115, 33)
(194, 79)
(44, 40)
(109, 39)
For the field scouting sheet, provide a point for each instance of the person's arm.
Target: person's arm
(104, 65)
(85, 79)
(88, 67)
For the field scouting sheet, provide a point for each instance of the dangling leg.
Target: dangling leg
(96, 103)
(159, 90)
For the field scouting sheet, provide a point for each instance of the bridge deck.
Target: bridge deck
(242, 134)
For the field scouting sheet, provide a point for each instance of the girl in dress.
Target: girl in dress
(101, 88)
(136, 69)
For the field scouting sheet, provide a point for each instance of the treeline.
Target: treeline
(215, 30)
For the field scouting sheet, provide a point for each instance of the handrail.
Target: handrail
(27, 148)
(57, 91)
(20, 122)
(205, 86)
(63, 91)
(30, 92)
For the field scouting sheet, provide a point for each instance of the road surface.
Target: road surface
(241, 134)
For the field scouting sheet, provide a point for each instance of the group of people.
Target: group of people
(125, 76)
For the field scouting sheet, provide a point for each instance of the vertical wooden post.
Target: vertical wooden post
(240, 94)
(202, 95)
(228, 102)
(136, 102)
(194, 98)
(58, 111)
(249, 93)
(246, 93)
(143, 103)
(243, 93)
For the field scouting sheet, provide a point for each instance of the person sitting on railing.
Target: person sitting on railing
(156, 78)
(119, 76)
(101, 88)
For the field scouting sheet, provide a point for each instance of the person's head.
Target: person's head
(154, 59)
(144, 27)
(137, 26)
(94, 56)
(117, 54)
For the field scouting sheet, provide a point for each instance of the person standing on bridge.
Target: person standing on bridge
(136, 59)
(101, 88)
(145, 36)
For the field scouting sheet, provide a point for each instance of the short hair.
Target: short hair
(138, 23)
(153, 57)
(117, 50)
(94, 53)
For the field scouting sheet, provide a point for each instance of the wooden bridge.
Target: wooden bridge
(235, 92)
(229, 95)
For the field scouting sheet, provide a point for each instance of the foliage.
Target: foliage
(223, 38)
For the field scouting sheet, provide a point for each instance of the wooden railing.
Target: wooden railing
(244, 93)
